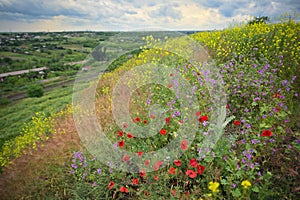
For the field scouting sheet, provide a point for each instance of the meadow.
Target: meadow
(238, 91)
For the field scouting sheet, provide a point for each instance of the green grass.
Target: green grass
(13, 116)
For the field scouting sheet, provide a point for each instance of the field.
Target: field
(212, 115)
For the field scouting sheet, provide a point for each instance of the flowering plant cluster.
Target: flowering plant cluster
(237, 167)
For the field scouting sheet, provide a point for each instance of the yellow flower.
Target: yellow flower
(213, 186)
(246, 184)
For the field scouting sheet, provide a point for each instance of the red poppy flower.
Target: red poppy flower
(152, 116)
(135, 181)
(277, 95)
(172, 170)
(121, 143)
(125, 125)
(183, 145)
(203, 118)
(171, 74)
(147, 162)
(126, 158)
(111, 185)
(124, 189)
(198, 113)
(168, 119)
(277, 108)
(193, 162)
(180, 122)
(143, 173)
(173, 192)
(157, 165)
(236, 122)
(200, 169)
(169, 85)
(129, 135)
(137, 119)
(163, 132)
(120, 133)
(266, 133)
(140, 153)
(145, 121)
(156, 177)
(191, 173)
(177, 163)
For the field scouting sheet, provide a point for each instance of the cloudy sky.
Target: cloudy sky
(126, 15)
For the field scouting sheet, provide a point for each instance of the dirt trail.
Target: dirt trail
(26, 173)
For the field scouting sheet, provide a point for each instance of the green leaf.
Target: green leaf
(236, 193)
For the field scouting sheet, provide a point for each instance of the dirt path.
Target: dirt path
(35, 172)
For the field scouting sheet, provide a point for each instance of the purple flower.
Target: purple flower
(259, 173)
(252, 166)
(256, 99)
(72, 172)
(74, 166)
(254, 141)
(284, 82)
(233, 185)
(248, 126)
(177, 113)
(95, 184)
(99, 171)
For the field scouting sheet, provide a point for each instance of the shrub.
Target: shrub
(35, 91)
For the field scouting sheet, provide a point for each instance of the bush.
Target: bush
(35, 91)
(4, 101)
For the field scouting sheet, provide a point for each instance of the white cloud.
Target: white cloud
(58, 15)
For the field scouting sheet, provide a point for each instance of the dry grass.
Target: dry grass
(41, 169)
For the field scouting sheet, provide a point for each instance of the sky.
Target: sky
(132, 15)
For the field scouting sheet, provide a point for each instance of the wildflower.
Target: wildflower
(193, 162)
(198, 113)
(183, 145)
(168, 119)
(213, 186)
(126, 158)
(143, 173)
(156, 177)
(99, 171)
(124, 189)
(157, 165)
(129, 135)
(137, 119)
(173, 192)
(200, 169)
(177, 163)
(266, 133)
(120, 133)
(172, 170)
(74, 166)
(163, 132)
(147, 162)
(191, 173)
(203, 118)
(111, 185)
(121, 143)
(246, 184)
(140, 153)
(145, 121)
(135, 181)
(236, 122)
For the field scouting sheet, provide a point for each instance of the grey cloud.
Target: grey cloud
(32, 9)
(166, 11)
